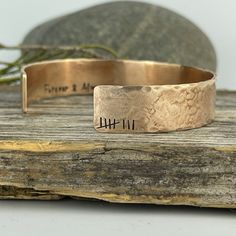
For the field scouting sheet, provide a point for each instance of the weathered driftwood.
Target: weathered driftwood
(54, 152)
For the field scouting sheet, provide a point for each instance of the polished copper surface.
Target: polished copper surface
(129, 96)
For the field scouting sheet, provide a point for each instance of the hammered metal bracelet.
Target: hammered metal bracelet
(129, 96)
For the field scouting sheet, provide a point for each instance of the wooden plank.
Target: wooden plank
(54, 152)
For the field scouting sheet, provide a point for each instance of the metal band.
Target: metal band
(129, 96)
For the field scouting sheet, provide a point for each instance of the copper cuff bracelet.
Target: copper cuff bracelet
(129, 96)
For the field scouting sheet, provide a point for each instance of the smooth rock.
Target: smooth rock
(135, 30)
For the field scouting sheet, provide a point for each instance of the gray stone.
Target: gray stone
(135, 30)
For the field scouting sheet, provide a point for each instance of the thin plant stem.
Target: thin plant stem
(9, 80)
(64, 48)
(34, 53)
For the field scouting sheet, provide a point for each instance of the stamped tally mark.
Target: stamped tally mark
(113, 123)
(128, 124)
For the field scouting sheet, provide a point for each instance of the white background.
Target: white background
(87, 218)
(71, 217)
(216, 17)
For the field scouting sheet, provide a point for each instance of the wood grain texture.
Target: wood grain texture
(54, 152)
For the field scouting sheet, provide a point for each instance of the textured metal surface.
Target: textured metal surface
(129, 96)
